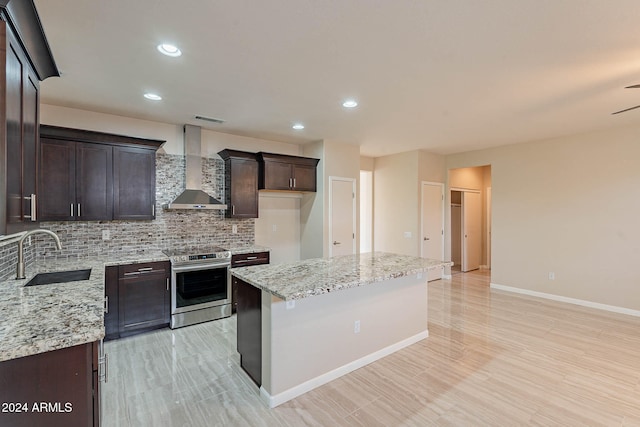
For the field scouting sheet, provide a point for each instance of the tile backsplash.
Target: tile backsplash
(170, 229)
(9, 257)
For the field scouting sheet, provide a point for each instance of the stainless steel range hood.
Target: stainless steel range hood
(193, 197)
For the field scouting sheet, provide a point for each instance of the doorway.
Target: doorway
(432, 224)
(466, 229)
(342, 216)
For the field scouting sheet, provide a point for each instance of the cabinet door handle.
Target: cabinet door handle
(252, 257)
(294, 183)
(167, 283)
(233, 209)
(106, 304)
(290, 182)
(33, 207)
(71, 209)
(103, 363)
(79, 210)
(153, 210)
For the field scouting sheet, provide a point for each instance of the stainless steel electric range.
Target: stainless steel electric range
(200, 289)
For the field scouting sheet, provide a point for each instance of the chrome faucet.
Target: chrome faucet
(20, 274)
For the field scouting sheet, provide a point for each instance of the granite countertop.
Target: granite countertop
(317, 276)
(37, 319)
(239, 250)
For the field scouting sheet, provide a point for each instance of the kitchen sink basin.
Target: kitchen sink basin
(59, 277)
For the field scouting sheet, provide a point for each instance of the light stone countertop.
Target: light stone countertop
(306, 278)
(239, 250)
(42, 318)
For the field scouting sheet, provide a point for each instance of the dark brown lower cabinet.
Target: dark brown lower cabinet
(57, 388)
(249, 329)
(245, 260)
(111, 326)
(138, 298)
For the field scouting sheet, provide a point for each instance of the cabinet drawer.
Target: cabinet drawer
(244, 260)
(143, 268)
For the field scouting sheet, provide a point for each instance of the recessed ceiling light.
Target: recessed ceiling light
(153, 96)
(350, 103)
(169, 50)
(298, 126)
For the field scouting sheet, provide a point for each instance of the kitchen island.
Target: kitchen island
(303, 324)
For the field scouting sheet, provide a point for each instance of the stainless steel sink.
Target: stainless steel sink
(59, 277)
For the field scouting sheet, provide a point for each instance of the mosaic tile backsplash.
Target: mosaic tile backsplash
(170, 229)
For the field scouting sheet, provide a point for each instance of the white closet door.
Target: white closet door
(471, 230)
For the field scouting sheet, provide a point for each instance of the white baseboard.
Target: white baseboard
(309, 385)
(584, 303)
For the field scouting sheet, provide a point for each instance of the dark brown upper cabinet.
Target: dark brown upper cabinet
(76, 181)
(241, 183)
(134, 183)
(27, 60)
(286, 173)
(88, 176)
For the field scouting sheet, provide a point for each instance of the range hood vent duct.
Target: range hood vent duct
(193, 197)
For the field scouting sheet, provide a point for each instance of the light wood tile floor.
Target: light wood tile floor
(492, 359)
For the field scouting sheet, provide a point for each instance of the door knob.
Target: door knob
(426, 238)
(336, 243)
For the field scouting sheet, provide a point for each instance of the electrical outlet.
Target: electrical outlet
(234, 229)
(552, 275)
(407, 234)
(356, 327)
(106, 235)
(274, 228)
(291, 304)
(419, 276)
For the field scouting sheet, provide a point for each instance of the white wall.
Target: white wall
(396, 198)
(278, 226)
(336, 159)
(212, 142)
(569, 206)
(366, 211)
(396, 203)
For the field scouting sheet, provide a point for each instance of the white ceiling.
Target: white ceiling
(445, 76)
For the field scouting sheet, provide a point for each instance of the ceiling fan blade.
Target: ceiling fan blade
(633, 86)
(626, 109)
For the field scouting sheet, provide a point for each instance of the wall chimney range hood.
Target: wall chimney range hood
(193, 197)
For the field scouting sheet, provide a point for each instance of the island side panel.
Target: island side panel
(249, 329)
(314, 342)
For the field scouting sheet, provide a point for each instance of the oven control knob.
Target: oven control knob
(183, 258)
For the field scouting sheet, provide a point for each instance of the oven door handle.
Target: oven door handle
(185, 268)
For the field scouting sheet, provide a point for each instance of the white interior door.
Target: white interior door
(433, 224)
(342, 217)
(471, 230)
